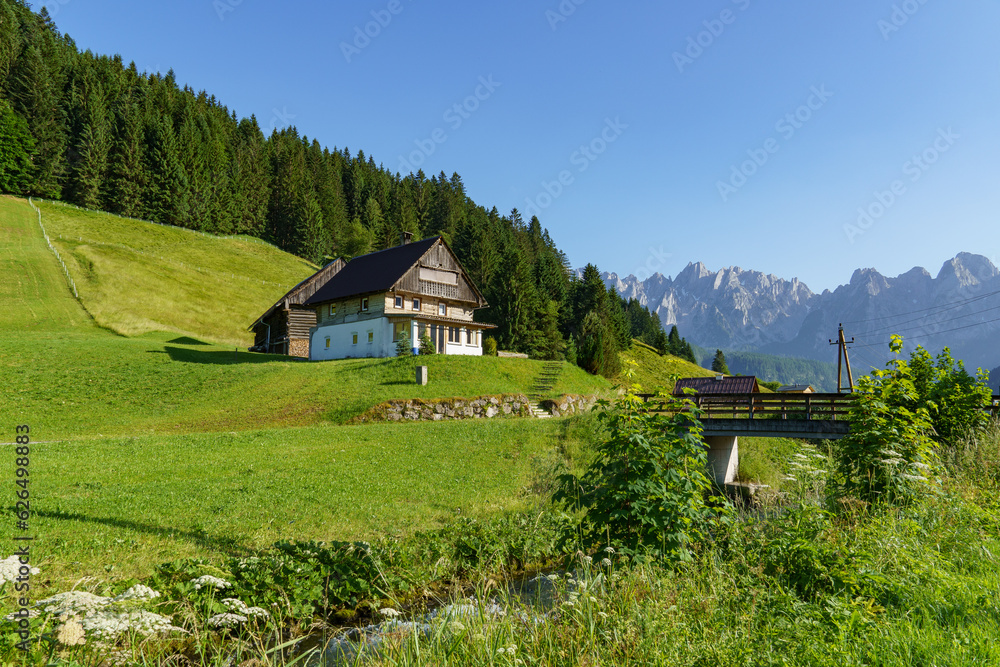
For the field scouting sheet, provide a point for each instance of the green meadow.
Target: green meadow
(157, 440)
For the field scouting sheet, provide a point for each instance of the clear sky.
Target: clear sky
(644, 135)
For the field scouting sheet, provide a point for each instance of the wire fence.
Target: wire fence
(69, 278)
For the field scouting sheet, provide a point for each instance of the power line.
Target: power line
(937, 333)
(894, 329)
(968, 300)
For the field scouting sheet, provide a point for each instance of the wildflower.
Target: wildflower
(389, 612)
(915, 478)
(71, 633)
(9, 569)
(568, 603)
(240, 607)
(588, 559)
(207, 580)
(606, 562)
(227, 620)
(456, 626)
(553, 577)
(609, 550)
(592, 598)
(137, 592)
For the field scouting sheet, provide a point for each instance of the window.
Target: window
(328, 342)
(333, 309)
(469, 337)
(399, 329)
(354, 338)
(399, 302)
(416, 304)
(364, 305)
(442, 309)
(371, 336)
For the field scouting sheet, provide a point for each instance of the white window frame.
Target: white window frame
(416, 304)
(364, 305)
(354, 338)
(443, 309)
(398, 302)
(371, 336)
(333, 309)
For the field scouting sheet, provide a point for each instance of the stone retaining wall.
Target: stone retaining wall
(568, 404)
(415, 409)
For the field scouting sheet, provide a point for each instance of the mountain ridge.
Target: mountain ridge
(748, 310)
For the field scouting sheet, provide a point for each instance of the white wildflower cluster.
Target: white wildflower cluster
(101, 617)
(389, 612)
(139, 593)
(227, 620)
(806, 466)
(509, 650)
(208, 581)
(10, 569)
(240, 607)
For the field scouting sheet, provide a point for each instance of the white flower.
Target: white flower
(208, 580)
(71, 633)
(609, 550)
(389, 612)
(602, 614)
(137, 592)
(588, 559)
(226, 620)
(240, 607)
(10, 569)
(606, 562)
(592, 598)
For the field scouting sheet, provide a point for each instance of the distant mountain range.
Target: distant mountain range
(745, 310)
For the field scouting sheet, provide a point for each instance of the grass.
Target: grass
(77, 379)
(114, 508)
(654, 372)
(136, 277)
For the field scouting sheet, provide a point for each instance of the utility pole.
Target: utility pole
(843, 359)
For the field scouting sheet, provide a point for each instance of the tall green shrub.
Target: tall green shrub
(889, 456)
(648, 488)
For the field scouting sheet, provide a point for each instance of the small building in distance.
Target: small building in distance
(284, 327)
(720, 384)
(796, 389)
(413, 289)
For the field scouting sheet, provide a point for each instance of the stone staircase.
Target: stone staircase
(544, 383)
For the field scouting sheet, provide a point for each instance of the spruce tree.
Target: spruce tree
(16, 147)
(719, 363)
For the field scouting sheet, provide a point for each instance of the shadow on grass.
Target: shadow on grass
(186, 340)
(221, 357)
(229, 546)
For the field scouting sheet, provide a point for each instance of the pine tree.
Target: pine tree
(719, 363)
(16, 147)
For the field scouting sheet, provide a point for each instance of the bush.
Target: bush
(427, 345)
(490, 347)
(647, 490)
(953, 398)
(889, 455)
(404, 348)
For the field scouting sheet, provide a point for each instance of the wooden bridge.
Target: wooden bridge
(725, 417)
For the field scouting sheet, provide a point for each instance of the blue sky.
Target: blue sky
(644, 134)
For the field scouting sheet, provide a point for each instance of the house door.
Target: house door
(440, 340)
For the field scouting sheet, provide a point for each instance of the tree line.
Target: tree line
(93, 131)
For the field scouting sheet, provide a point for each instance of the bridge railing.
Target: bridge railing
(764, 406)
(775, 406)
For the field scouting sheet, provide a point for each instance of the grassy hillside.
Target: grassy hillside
(134, 277)
(77, 379)
(654, 372)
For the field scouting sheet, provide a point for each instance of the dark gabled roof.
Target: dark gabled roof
(743, 384)
(375, 272)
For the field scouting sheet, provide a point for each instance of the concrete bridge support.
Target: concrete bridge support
(723, 457)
